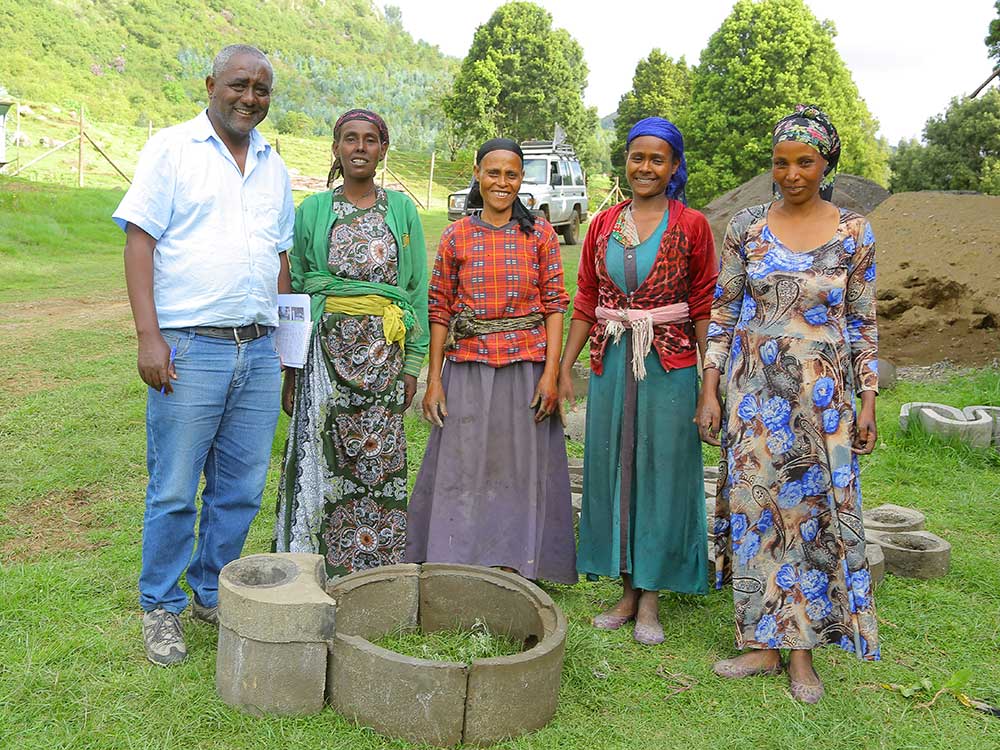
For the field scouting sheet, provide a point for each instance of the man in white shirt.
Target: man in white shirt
(207, 221)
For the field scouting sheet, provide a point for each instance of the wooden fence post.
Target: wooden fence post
(79, 153)
(430, 182)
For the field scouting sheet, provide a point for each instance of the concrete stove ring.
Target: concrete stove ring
(890, 518)
(444, 703)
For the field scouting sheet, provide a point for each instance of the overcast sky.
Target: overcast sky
(908, 58)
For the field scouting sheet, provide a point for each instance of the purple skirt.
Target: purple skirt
(493, 488)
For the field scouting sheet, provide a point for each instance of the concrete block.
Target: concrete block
(876, 561)
(975, 413)
(890, 518)
(575, 466)
(886, 375)
(373, 603)
(272, 678)
(511, 695)
(914, 554)
(276, 598)
(417, 700)
(948, 422)
(454, 597)
(577, 500)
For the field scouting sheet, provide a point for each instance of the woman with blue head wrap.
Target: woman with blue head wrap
(644, 292)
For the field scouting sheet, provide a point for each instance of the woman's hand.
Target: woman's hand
(546, 398)
(567, 396)
(708, 414)
(433, 405)
(288, 391)
(865, 429)
(409, 390)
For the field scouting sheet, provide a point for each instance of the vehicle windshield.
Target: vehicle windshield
(536, 171)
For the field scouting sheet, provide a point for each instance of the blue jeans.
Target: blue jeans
(219, 421)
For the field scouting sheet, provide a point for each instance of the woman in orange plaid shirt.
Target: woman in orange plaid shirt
(493, 488)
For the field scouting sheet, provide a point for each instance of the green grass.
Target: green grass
(460, 646)
(72, 672)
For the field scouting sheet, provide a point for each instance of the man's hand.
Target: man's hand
(155, 367)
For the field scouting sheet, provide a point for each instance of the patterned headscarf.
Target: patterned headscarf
(365, 115)
(811, 126)
(666, 131)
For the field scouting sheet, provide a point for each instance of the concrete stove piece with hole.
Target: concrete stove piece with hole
(275, 621)
(890, 518)
(913, 554)
(288, 636)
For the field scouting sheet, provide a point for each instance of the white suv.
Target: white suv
(553, 187)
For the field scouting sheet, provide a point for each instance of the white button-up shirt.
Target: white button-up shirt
(218, 232)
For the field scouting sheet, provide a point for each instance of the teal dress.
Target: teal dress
(665, 544)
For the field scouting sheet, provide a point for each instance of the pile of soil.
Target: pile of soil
(849, 191)
(938, 277)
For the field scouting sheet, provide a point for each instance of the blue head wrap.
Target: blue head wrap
(666, 131)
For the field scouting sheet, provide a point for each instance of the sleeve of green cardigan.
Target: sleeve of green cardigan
(298, 256)
(417, 339)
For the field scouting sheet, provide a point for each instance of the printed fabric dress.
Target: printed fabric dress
(343, 487)
(795, 334)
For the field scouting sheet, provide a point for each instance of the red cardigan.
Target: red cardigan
(685, 270)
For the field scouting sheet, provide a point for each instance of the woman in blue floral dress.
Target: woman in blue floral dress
(793, 330)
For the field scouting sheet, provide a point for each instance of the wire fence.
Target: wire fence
(46, 144)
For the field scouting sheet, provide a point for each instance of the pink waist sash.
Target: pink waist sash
(641, 322)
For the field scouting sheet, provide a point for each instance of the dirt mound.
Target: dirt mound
(849, 191)
(938, 277)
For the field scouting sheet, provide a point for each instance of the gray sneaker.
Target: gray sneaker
(205, 614)
(162, 636)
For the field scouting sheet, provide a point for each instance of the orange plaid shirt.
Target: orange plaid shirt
(498, 272)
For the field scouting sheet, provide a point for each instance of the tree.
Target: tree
(993, 38)
(962, 150)
(767, 56)
(660, 87)
(520, 78)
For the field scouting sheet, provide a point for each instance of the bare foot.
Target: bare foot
(762, 661)
(801, 670)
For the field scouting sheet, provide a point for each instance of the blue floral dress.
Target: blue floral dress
(795, 334)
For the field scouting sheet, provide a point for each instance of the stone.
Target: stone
(575, 466)
(576, 499)
(889, 518)
(886, 374)
(510, 695)
(876, 561)
(270, 678)
(455, 597)
(417, 700)
(914, 554)
(576, 423)
(374, 603)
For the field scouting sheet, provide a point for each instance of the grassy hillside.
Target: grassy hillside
(133, 61)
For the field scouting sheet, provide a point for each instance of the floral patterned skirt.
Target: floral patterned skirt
(342, 492)
(789, 531)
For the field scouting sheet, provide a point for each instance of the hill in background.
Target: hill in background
(136, 61)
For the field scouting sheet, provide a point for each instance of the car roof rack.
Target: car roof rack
(563, 149)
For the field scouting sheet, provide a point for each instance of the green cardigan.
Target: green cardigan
(310, 254)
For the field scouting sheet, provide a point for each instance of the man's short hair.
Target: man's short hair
(222, 59)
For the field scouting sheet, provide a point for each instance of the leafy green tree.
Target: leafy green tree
(993, 38)
(660, 87)
(962, 150)
(520, 78)
(296, 123)
(767, 56)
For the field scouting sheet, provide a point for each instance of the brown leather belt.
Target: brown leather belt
(240, 335)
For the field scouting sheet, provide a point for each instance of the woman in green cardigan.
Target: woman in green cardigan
(359, 252)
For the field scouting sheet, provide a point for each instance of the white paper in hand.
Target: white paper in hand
(294, 329)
